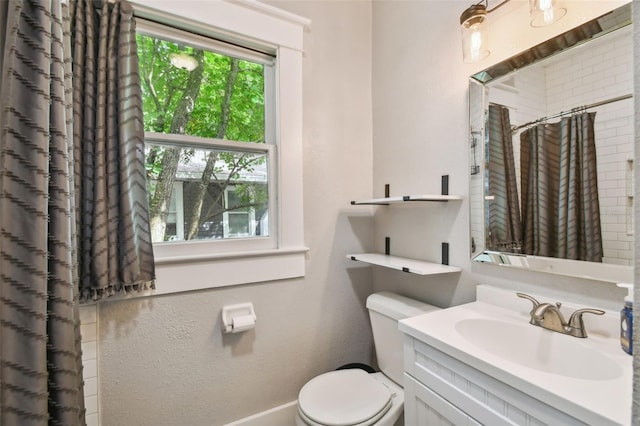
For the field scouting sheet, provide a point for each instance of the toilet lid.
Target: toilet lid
(344, 398)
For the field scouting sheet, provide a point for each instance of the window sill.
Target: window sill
(168, 260)
(179, 274)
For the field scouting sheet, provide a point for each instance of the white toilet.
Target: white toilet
(353, 397)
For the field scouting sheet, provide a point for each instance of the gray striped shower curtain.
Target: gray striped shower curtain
(560, 206)
(73, 207)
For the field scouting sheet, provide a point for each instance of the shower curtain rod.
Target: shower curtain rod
(580, 108)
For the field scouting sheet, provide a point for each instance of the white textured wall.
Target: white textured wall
(164, 361)
(420, 132)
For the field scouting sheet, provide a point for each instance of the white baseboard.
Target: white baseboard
(282, 415)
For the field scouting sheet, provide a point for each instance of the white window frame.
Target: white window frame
(193, 265)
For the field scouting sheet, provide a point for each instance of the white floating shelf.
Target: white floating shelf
(413, 266)
(407, 198)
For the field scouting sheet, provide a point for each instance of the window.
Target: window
(208, 125)
(241, 221)
(262, 204)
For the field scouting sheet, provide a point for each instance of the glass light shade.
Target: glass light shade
(474, 43)
(545, 12)
(474, 37)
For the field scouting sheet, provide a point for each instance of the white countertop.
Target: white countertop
(598, 401)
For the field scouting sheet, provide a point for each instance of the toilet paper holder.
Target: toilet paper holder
(238, 318)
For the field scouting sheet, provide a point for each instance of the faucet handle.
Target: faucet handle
(531, 298)
(577, 324)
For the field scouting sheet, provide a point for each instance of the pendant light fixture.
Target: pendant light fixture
(474, 37)
(475, 46)
(545, 12)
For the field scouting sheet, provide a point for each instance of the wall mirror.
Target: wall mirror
(551, 154)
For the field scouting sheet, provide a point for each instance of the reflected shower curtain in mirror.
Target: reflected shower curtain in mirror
(560, 207)
(504, 212)
(71, 153)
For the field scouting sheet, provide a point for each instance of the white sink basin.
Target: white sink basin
(536, 348)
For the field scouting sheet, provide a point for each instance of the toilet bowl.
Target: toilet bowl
(353, 397)
(350, 397)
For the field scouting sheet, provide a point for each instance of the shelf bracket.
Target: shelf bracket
(444, 185)
(445, 253)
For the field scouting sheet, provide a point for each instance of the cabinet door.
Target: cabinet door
(424, 407)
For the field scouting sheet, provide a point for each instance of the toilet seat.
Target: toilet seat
(344, 398)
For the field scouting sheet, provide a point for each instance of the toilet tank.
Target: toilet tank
(385, 310)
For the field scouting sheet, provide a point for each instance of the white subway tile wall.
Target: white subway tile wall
(89, 331)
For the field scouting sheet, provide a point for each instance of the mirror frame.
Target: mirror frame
(477, 87)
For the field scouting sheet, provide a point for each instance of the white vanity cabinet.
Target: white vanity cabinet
(440, 390)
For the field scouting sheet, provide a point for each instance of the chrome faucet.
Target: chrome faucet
(548, 315)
